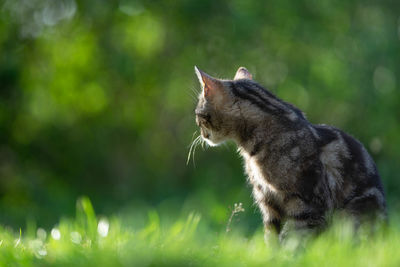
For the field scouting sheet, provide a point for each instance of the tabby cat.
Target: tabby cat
(300, 172)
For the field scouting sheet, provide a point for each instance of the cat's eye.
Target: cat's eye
(203, 119)
(204, 116)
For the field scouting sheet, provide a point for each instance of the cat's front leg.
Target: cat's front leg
(272, 220)
(303, 224)
(272, 229)
(271, 211)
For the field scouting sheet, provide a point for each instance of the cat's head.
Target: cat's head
(217, 110)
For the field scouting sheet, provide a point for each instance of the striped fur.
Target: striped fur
(300, 172)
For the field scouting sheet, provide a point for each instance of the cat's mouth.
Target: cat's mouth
(202, 121)
(208, 136)
(204, 133)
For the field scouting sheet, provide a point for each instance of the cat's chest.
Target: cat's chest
(258, 176)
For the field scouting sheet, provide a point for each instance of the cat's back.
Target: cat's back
(351, 173)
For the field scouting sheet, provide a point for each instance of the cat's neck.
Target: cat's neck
(254, 136)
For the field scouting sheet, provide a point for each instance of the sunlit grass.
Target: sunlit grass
(91, 241)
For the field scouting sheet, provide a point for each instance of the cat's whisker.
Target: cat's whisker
(192, 96)
(195, 91)
(191, 147)
(197, 141)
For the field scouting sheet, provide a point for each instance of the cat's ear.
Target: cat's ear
(209, 84)
(243, 73)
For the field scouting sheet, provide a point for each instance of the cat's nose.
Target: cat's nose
(204, 133)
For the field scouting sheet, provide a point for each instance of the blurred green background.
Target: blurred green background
(97, 97)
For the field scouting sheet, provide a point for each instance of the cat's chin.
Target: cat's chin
(210, 143)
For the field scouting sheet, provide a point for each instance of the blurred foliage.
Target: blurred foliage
(97, 97)
(189, 241)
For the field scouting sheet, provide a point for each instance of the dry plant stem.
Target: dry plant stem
(236, 209)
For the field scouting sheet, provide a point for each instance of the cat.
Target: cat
(300, 173)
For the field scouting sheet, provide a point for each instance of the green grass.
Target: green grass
(91, 241)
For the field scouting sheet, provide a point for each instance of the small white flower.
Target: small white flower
(102, 227)
(42, 252)
(41, 234)
(76, 237)
(55, 234)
